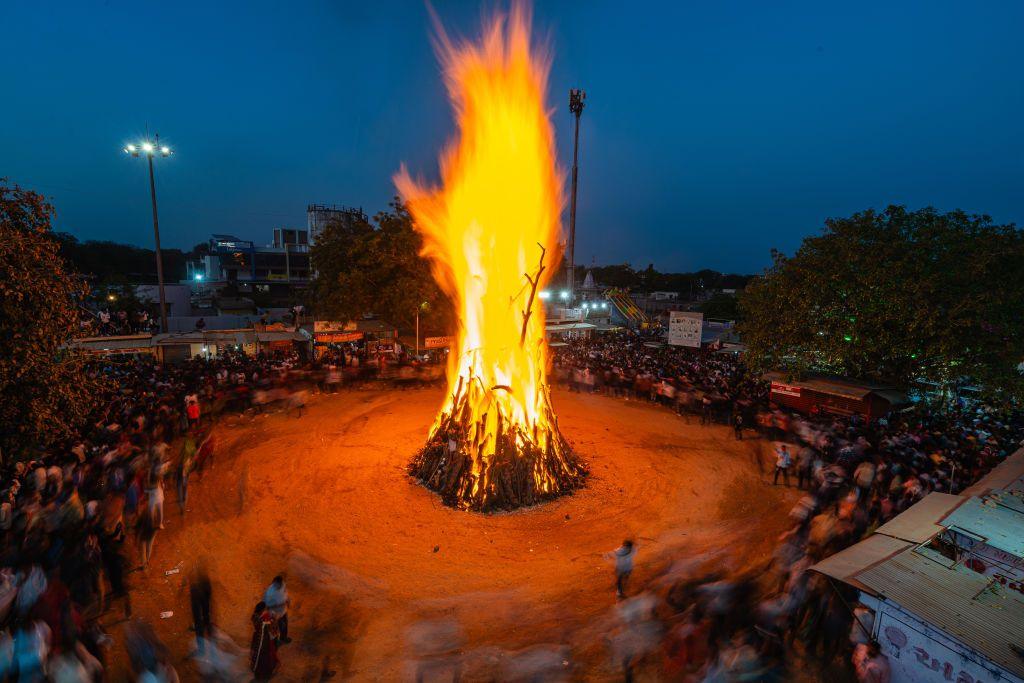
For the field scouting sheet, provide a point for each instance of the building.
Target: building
(273, 275)
(176, 296)
(181, 346)
(319, 216)
(941, 586)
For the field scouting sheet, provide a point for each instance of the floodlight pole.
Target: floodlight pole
(156, 239)
(150, 150)
(576, 99)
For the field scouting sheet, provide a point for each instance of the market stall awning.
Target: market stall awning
(1008, 473)
(847, 564)
(920, 521)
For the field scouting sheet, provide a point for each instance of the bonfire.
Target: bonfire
(491, 232)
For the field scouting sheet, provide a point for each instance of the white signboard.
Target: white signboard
(684, 328)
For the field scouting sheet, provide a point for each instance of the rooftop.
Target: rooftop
(895, 563)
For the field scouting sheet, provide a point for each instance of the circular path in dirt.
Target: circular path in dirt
(369, 554)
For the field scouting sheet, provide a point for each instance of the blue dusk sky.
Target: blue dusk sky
(713, 131)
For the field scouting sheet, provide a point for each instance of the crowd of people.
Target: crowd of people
(855, 474)
(79, 518)
(107, 321)
(638, 366)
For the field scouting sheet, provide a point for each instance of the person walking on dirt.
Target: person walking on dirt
(145, 534)
(200, 593)
(276, 597)
(804, 466)
(623, 556)
(188, 454)
(263, 659)
(783, 460)
(737, 425)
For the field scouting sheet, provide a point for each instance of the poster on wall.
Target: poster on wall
(684, 328)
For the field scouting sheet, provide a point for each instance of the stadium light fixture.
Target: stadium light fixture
(150, 149)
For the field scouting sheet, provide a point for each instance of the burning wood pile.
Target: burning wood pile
(524, 465)
(518, 469)
(495, 443)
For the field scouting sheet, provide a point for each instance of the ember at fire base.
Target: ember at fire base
(518, 470)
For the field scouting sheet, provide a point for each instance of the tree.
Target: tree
(113, 262)
(895, 296)
(721, 305)
(44, 391)
(364, 268)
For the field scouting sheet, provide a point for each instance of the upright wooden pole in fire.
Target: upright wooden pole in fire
(576, 99)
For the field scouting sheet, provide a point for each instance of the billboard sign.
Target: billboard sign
(684, 328)
(337, 337)
(333, 326)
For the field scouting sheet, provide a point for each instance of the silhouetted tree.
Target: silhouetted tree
(895, 296)
(45, 392)
(365, 268)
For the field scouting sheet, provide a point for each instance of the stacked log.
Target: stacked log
(515, 466)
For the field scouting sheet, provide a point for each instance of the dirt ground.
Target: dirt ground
(372, 558)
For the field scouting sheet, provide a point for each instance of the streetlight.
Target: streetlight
(576, 100)
(151, 149)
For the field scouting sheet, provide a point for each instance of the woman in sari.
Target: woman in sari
(263, 651)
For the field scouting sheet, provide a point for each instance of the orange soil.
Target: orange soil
(367, 552)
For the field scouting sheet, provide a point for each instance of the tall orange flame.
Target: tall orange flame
(490, 231)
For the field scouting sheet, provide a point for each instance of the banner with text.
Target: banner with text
(684, 328)
(437, 342)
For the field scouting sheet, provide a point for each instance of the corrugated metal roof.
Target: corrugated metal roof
(997, 517)
(113, 343)
(968, 606)
(1007, 474)
(920, 521)
(837, 386)
(246, 336)
(846, 564)
(570, 326)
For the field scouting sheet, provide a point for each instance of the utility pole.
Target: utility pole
(576, 100)
(422, 306)
(151, 149)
